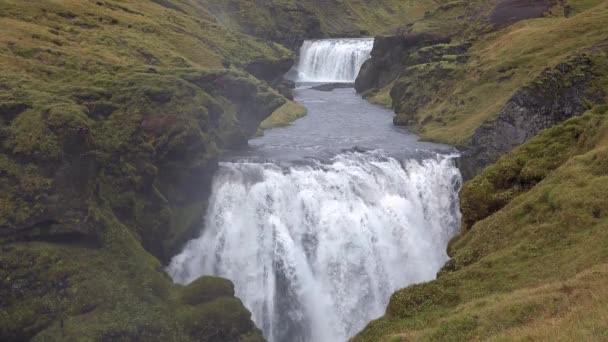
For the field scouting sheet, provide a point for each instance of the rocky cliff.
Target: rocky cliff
(520, 87)
(556, 95)
(486, 78)
(531, 261)
(112, 118)
(291, 22)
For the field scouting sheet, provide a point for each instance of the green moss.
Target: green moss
(517, 172)
(112, 122)
(418, 298)
(288, 21)
(206, 289)
(222, 319)
(284, 115)
(449, 108)
(456, 329)
(523, 271)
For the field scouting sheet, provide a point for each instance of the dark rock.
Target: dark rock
(556, 95)
(269, 71)
(289, 84)
(388, 56)
(508, 12)
(158, 95)
(9, 110)
(101, 109)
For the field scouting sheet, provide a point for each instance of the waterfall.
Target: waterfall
(316, 250)
(332, 60)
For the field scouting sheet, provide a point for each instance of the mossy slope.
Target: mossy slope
(532, 261)
(112, 117)
(291, 21)
(445, 92)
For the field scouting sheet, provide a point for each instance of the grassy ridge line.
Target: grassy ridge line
(535, 268)
(125, 33)
(447, 94)
(532, 255)
(525, 50)
(112, 116)
(290, 21)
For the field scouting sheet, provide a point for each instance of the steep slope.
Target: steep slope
(532, 261)
(289, 22)
(112, 117)
(467, 65)
(489, 76)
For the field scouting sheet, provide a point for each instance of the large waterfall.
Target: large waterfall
(332, 60)
(315, 250)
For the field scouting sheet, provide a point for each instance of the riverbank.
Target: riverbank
(337, 198)
(527, 109)
(113, 116)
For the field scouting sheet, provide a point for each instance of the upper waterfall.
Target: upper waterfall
(332, 60)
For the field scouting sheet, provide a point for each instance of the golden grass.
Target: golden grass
(524, 50)
(534, 270)
(123, 35)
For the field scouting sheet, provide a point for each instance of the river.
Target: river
(318, 223)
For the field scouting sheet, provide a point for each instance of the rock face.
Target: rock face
(111, 126)
(92, 185)
(389, 58)
(556, 95)
(508, 12)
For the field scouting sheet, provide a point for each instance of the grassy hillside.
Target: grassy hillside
(532, 256)
(533, 260)
(466, 82)
(290, 21)
(499, 63)
(112, 117)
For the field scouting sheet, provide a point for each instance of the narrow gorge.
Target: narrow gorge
(314, 223)
(303, 170)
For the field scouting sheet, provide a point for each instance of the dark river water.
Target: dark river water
(337, 121)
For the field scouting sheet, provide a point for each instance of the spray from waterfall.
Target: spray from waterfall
(315, 251)
(332, 60)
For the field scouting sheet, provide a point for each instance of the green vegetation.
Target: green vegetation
(534, 265)
(489, 72)
(381, 97)
(290, 21)
(520, 170)
(284, 115)
(59, 292)
(532, 255)
(112, 117)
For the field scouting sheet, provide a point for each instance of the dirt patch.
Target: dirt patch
(508, 12)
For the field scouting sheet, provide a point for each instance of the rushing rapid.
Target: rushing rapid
(315, 251)
(332, 60)
(318, 223)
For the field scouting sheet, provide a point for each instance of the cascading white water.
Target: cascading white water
(315, 251)
(332, 60)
